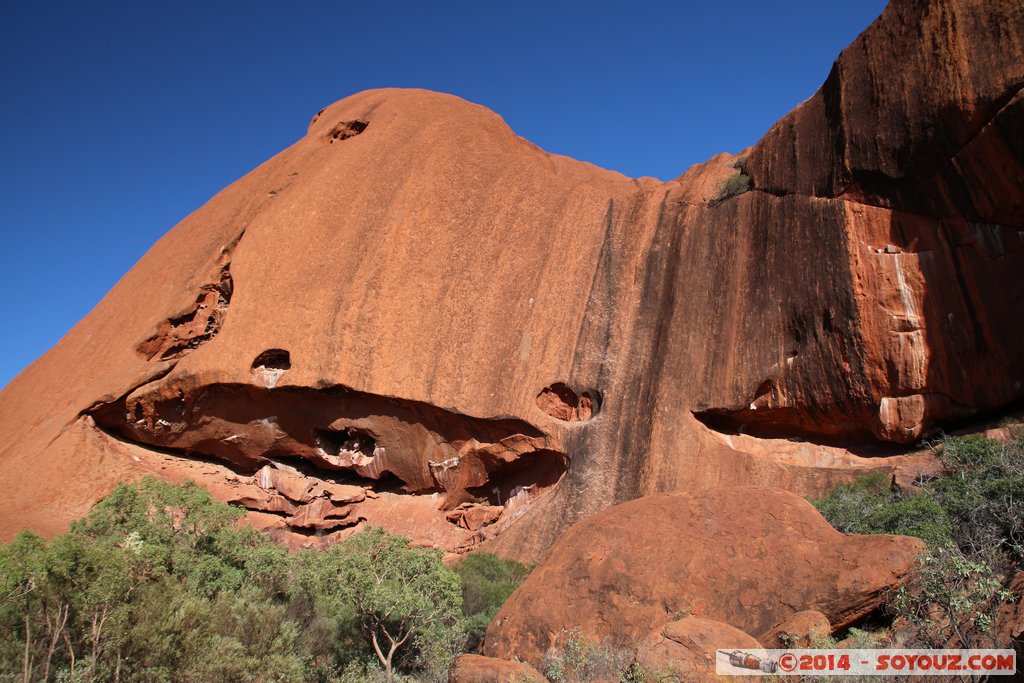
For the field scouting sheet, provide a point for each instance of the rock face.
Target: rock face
(492, 342)
(687, 648)
(917, 132)
(749, 557)
(798, 630)
(477, 669)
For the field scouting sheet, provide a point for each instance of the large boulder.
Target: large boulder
(746, 556)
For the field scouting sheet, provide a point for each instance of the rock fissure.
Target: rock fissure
(329, 452)
(180, 334)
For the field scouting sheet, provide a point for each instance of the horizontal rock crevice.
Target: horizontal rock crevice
(345, 445)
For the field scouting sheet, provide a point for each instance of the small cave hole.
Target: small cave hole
(563, 403)
(344, 130)
(270, 365)
(351, 446)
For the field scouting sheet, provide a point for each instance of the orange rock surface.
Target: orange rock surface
(477, 669)
(801, 630)
(749, 557)
(687, 648)
(414, 302)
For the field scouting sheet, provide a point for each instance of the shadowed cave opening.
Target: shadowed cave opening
(354, 444)
(529, 474)
(269, 366)
(387, 482)
(273, 359)
(340, 436)
(787, 423)
(344, 130)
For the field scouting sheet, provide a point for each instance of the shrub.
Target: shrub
(732, 186)
(487, 582)
(158, 583)
(982, 492)
(870, 505)
(579, 660)
(950, 600)
(156, 580)
(972, 519)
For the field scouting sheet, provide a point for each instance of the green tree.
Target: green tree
(23, 602)
(401, 595)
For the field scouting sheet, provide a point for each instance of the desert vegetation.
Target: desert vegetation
(160, 583)
(971, 519)
(580, 659)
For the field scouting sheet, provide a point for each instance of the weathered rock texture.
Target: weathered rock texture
(798, 630)
(414, 301)
(750, 557)
(477, 669)
(687, 649)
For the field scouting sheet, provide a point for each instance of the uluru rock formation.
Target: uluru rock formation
(413, 317)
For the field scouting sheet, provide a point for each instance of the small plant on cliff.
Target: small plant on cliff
(732, 186)
(487, 582)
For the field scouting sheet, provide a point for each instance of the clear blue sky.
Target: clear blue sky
(119, 119)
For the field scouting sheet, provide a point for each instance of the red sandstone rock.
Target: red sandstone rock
(798, 630)
(293, 487)
(471, 516)
(917, 130)
(746, 556)
(382, 304)
(477, 669)
(686, 648)
(562, 403)
(1009, 625)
